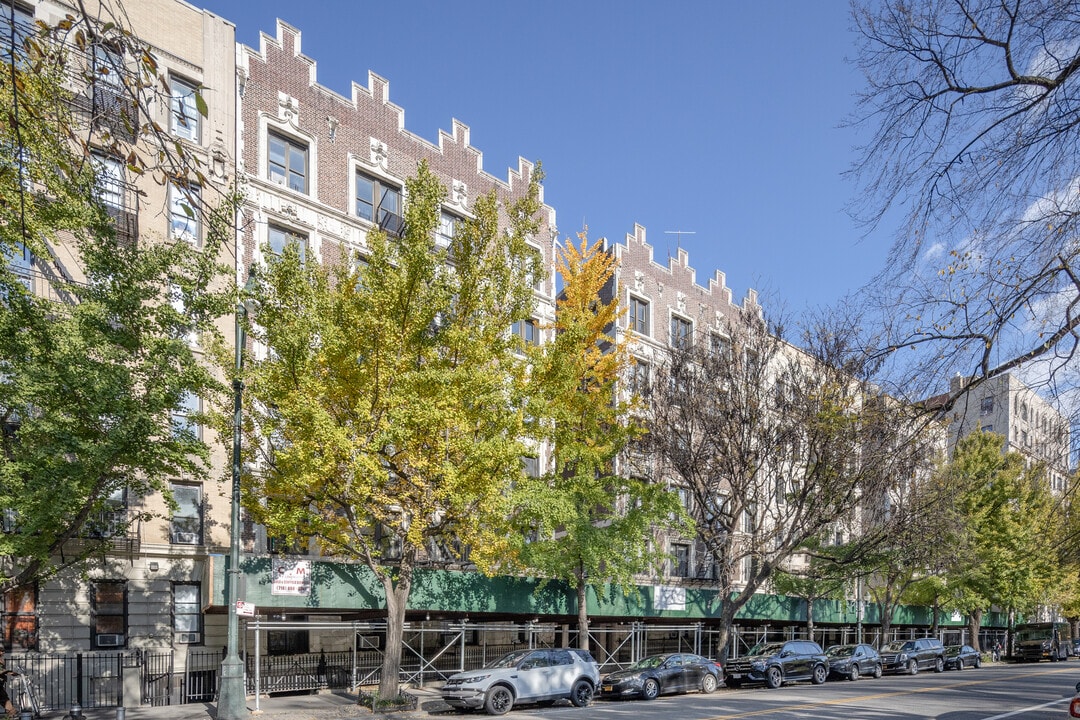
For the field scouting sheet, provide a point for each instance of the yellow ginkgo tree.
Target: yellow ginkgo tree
(583, 522)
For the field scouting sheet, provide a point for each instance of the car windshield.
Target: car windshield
(897, 646)
(840, 651)
(509, 660)
(654, 661)
(765, 649)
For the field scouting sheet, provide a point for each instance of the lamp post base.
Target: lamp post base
(232, 699)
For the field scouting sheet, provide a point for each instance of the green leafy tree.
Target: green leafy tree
(94, 356)
(385, 419)
(818, 577)
(1005, 512)
(586, 524)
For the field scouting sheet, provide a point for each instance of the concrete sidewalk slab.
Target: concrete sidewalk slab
(321, 706)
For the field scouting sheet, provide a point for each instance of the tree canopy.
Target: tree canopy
(384, 415)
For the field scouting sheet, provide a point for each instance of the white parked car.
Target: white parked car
(525, 676)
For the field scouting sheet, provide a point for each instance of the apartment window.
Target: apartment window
(183, 416)
(379, 203)
(187, 518)
(781, 490)
(531, 466)
(184, 203)
(680, 560)
(718, 346)
(14, 36)
(448, 228)
(111, 520)
(639, 377)
(528, 331)
(287, 162)
(187, 613)
(986, 406)
(109, 183)
(18, 618)
(184, 107)
(749, 519)
(639, 316)
(186, 332)
(681, 333)
(108, 615)
(280, 238)
(20, 261)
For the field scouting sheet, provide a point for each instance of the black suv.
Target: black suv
(911, 656)
(775, 663)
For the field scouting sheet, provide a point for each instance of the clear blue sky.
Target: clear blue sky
(719, 117)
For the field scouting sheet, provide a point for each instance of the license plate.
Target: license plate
(606, 688)
(735, 676)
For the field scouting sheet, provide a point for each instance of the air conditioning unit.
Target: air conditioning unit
(188, 637)
(185, 538)
(110, 640)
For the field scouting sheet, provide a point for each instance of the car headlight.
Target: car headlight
(901, 657)
(758, 665)
(476, 679)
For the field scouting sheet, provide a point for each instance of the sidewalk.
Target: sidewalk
(323, 706)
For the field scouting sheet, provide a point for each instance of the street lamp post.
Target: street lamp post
(232, 699)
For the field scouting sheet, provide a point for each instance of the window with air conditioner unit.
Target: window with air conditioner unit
(187, 613)
(108, 614)
(187, 518)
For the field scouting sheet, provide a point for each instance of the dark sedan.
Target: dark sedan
(852, 661)
(657, 674)
(958, 657)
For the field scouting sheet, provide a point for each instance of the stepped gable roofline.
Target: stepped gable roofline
(377, 92)
(637, 245)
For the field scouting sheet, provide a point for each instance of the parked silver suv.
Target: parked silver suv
(525, 676)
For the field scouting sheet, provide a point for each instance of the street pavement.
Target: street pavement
(321, 706)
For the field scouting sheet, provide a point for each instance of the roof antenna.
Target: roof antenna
(679, 234)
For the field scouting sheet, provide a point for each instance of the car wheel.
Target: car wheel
(650, 690)
(939, 665)
(499, 700)
(733, 683)
(912, 667)
(581, 694)
(708, 683)
(959, 664)
(877, 670)
(821, 674)
(854, 674)
(773, 678)
(978, 662)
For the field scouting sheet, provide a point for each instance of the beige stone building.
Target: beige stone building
(1030, 425)
(147, 592)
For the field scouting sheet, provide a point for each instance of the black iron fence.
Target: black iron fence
(93, 680)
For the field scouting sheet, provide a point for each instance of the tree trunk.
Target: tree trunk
(935, 609)
(582, 615)
(397, 599)
(974, 622)
(809, 618)
(885, 608)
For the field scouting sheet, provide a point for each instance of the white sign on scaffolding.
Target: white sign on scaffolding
(667, 597)
(290, 577)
